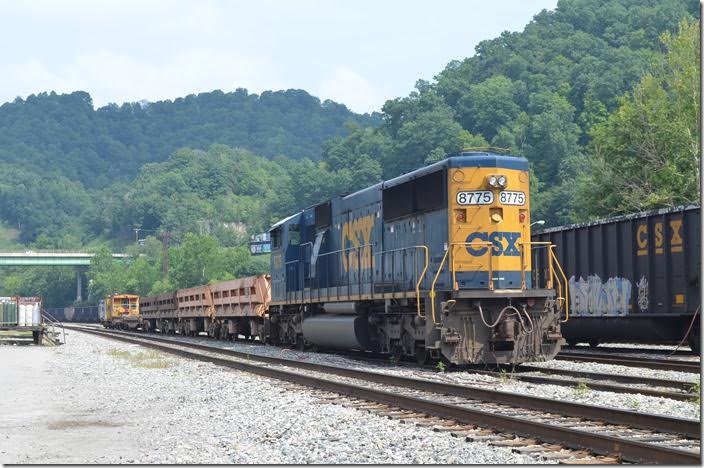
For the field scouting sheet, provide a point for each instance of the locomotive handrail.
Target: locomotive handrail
(564, 278)
(523, 264)
(422, 274)
(552, 261)
(465, 244)
(452, 270)
(416, 278)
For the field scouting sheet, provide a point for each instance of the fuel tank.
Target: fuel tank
(338, 331)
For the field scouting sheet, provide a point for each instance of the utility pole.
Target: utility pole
(165, 237)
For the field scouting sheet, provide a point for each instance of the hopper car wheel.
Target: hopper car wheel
(421, 354)
(300, 344)
(593, 344)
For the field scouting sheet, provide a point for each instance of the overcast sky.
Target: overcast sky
(357, 52)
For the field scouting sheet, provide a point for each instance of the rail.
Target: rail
(522, 415)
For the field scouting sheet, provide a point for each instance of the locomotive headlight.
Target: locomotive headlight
(492, 181)
(502, 181)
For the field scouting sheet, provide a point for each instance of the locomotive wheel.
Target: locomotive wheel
(396, 352)
(421, 354)
(300, 344)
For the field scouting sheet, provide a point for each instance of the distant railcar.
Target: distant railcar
(633, 278)
(436, 262)
(224, 310)
(120, 311)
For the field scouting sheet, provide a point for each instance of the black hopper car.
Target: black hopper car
(632, 279)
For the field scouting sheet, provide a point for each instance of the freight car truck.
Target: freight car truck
(632, 279)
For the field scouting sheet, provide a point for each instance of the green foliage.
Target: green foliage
(581, 389)
(67, 167)
(535, 92)
(57, 285)
(568, 93)
(645, 155)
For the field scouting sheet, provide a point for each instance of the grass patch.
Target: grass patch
(633, 403)
(581, 389)
(697, 390)
(142, 359)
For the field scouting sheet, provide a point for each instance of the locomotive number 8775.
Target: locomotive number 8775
(435, 263)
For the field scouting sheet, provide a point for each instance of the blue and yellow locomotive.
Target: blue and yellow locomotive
(434, 264)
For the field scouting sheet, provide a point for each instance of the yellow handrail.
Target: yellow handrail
(452, 270)
(432, 286)
(421, 277)
(523, 264)
(564, 278)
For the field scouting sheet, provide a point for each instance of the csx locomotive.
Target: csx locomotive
(434, 264)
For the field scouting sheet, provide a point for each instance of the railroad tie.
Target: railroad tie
(536, 449)
(591, 461)
(515, 443)
(484, 438)
(561, 455)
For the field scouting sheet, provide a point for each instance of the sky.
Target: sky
(357, 52)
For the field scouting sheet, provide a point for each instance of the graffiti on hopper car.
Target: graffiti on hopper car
(592, 296)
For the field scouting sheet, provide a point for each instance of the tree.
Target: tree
(645, 155)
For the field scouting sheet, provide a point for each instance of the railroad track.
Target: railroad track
(682, 391)
(631, 361)
(627, 350)
(468, 411)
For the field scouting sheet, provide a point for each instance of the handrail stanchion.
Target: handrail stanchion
(564, 278)
(420, 278)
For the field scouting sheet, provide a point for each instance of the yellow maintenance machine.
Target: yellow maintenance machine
(120, 311)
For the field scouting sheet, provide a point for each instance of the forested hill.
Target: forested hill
(538, 93)
(578, 92)
(601, 96)
(52, 133)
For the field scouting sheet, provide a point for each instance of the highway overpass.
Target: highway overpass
(53, 258)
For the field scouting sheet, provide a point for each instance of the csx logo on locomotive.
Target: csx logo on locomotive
(503, 243)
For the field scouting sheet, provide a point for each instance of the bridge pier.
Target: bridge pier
(79, 285)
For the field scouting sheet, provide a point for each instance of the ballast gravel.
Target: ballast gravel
(95, 400)
(579, 393)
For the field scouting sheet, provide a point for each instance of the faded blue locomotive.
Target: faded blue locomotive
(434, 263)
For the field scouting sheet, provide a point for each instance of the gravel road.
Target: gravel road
(94, 400)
